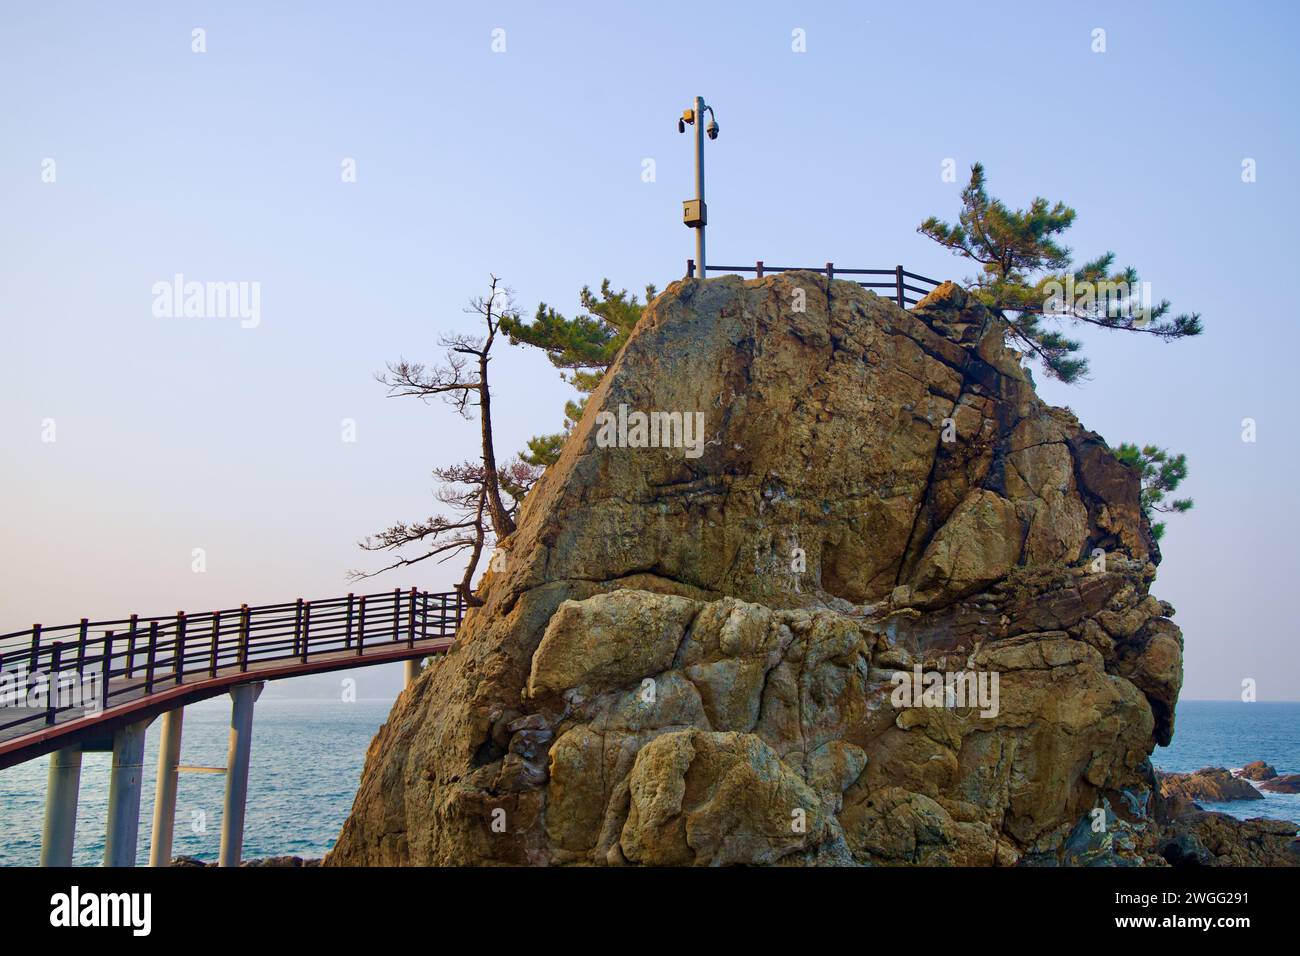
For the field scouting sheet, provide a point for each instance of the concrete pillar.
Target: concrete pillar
(412, 671)
(164, 800)
(241, 746)
(61, 794)
(124, 785)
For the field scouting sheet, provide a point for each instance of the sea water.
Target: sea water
(1213, 733)
(303, 774)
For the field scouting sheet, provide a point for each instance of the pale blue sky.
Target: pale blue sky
(174, 434)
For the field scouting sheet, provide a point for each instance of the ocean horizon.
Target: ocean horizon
(308, 753)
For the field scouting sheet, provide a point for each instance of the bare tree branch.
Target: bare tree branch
(482, 497)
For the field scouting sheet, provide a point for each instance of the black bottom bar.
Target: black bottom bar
(915, 910)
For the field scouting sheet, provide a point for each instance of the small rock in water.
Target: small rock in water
(1286, 784)
(1257, 770)
(1214, 784)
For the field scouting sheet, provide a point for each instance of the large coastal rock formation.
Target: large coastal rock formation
(694, 654)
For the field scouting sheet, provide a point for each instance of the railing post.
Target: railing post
(216, 643)
(245, 626)
(424, 618)
(397, 612)
(153, 655)
(32, 664)
(347, 631)
(306, 629)
(758, 269)
(81, 647)
(410, 622)
(830, 274)
(130, 647)
(51, 705)
(361, 626)
(898, 281)
(460, 607)
(108, 667)
(442, 616)
(690, 268)
(297, 626)
(180, 648)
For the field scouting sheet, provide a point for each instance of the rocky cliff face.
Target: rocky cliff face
(721, 653)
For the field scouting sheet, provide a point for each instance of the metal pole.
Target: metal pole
(412, 671)
(700, 261)
(237, 756)
(61, 807)
(124, 784)
(164, 800)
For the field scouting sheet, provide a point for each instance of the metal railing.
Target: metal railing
(124, 657)
(901, 291)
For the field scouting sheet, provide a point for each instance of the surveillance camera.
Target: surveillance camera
(712, 129)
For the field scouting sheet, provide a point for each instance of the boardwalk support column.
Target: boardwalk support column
(61, 807)
(164, 800)
(241, 746)
(412, 671)
(124, 784)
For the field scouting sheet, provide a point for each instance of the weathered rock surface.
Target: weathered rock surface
(1209, 783)
(1216, 839)
(693, 659)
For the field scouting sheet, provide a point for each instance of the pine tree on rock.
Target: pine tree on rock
(584, 346)
(1027, 275)
(1161, 472)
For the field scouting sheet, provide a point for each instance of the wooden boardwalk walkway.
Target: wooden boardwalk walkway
(78, 683)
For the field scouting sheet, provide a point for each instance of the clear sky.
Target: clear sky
(174, 434)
